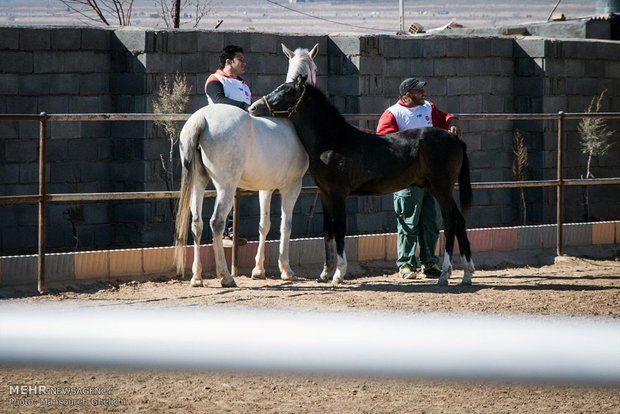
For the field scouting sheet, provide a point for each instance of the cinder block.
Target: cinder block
(604, 233)
(529, 47)
(458, 86)
(183, 41)
(66, 39)
(126, 262)
(96, 38)
(9, 38)
(91, 265)
(266, 43)
(34, 39)
(480, 47)
(457, 47)
(18, 270)
(18, 62)
(371, 247)
(59, 267)
(8, 85)
(132, 39)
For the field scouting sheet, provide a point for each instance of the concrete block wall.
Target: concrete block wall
(99, 70)
(576, 72)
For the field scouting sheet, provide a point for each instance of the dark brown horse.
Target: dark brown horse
(345, 161)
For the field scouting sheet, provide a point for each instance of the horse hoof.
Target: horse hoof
(229, 282)
(466, 283)
(196, 283)
(258, 274)
(442, 282)
(336, 281)
(321, 280)
(289, 277)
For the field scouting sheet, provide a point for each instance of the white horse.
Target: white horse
(226, 145)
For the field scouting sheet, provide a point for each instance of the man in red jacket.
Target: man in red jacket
(417, 213)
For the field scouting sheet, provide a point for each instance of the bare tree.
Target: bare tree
(519, 169)
(170, 11)
(594, 142)
(108, 12)
(171, 99)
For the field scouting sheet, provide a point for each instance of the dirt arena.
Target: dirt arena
(568, 287)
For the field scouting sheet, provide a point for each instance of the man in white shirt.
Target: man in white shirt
(226, 86)
(417, 213)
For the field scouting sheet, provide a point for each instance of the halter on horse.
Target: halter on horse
(345, 161)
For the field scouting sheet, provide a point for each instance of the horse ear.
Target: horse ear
(314, 51)
(289, 54)
(299, 81)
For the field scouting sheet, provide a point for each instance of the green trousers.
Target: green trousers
(418, 222)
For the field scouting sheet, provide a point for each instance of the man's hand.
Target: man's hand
(456, 130)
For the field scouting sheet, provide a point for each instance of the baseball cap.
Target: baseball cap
(409, 84)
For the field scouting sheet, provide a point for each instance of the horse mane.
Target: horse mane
(320, 99)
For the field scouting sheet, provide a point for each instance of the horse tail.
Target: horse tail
(465, 192)
(188, 147)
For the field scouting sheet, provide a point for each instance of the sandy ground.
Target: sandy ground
(569, 287)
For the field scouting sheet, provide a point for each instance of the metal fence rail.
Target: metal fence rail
(42, 198)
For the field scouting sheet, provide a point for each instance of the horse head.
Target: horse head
(283, 101)
(301, 62)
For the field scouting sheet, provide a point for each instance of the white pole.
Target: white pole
(337, 342)
(401, 13)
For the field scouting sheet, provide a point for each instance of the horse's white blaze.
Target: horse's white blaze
(341, 269)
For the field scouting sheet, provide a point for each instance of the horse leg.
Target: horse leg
(340, 227)
(223, 204)
(289, 197)
(197, 197)
(464, 247)
(328, 235)
(264, 198)
(446, 203)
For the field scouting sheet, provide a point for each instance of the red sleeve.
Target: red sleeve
(387, 123)
(441, 119)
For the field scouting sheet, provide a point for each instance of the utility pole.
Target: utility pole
(177, 14)
(401, 13)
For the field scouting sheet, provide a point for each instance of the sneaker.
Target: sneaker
(406, 272)
(431, 270)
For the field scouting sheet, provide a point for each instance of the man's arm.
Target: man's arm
(446, 121)
(215, 91)
(387, 124)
